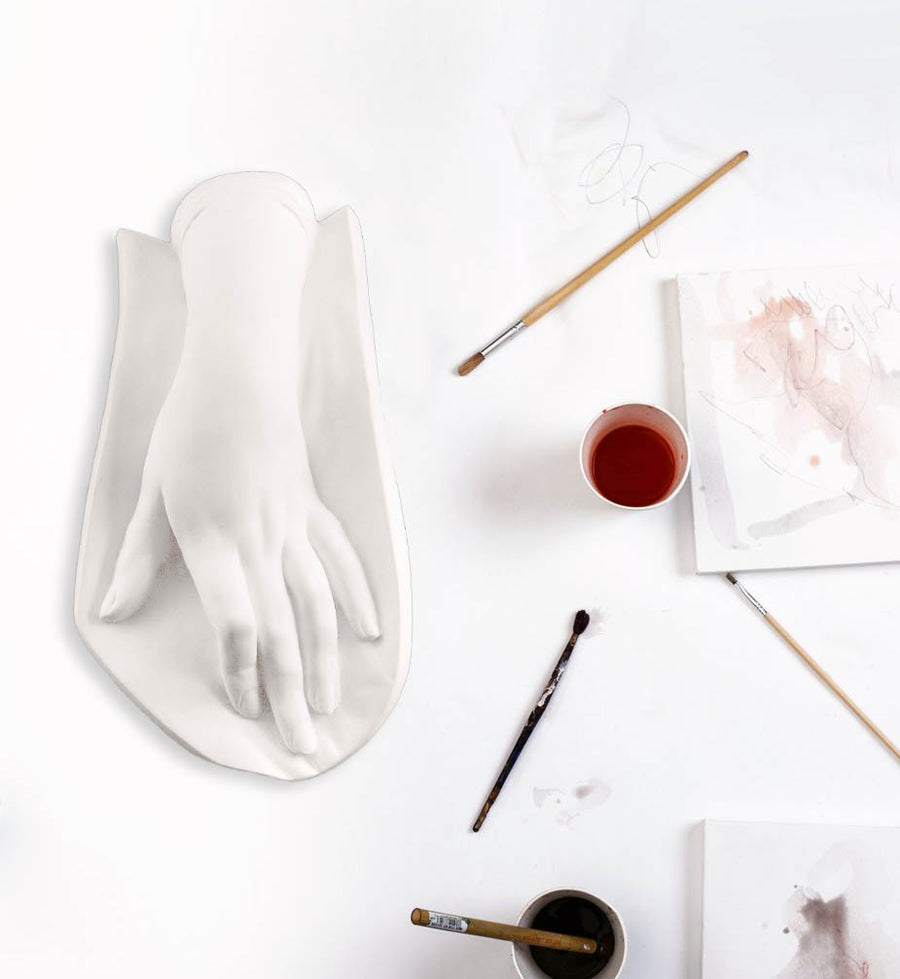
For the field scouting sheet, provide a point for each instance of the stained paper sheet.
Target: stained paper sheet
(792, 387)
(784, 901)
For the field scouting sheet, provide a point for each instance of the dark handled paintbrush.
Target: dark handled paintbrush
(578, 626)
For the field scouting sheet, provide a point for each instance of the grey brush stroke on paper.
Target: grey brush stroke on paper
(792, 385)
(800, 517)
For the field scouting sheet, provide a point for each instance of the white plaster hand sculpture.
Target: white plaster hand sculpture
(227, 467)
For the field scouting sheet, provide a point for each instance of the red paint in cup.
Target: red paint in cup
(635, 456)
(633, 466)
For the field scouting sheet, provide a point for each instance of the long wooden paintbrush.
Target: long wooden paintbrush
(814, 666)
(534, 314)
(578, 626)
(509, 933)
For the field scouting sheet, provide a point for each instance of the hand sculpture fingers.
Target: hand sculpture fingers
(144, 549)
(345, 572)
(218, 576)
(279, 656)
(316, 621)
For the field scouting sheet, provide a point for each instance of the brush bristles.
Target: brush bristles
(731, 578)
(581, 622)
(470, 364)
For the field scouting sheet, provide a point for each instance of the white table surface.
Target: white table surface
(457, 130)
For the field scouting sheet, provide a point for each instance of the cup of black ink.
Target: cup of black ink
(571, 912)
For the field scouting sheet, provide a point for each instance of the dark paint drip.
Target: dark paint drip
(573, 916)
(633, 465)
(822, 951)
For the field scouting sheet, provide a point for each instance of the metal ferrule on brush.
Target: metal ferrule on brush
(507, 334)
(758, 605)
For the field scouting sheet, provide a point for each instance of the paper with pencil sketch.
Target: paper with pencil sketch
(792, 389)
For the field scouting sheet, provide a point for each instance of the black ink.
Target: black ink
(573, 916)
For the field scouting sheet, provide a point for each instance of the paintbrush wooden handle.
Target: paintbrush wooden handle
(832, 686)
(562, 293)
(814, 666)
(508, 933)
(536, 312)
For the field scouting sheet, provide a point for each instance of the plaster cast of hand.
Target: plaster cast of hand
(227, 470)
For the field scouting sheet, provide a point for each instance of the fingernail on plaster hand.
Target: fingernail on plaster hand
(227, 471)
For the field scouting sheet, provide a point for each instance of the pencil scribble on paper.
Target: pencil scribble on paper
(616, 172)
(793, 391)
(593, 154)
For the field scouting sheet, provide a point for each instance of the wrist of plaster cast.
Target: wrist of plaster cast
(244, 242)
(264, 186)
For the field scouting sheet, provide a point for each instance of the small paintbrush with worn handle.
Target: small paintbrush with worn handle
(578, 626)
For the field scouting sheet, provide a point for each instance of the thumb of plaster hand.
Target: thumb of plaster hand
(144, 549)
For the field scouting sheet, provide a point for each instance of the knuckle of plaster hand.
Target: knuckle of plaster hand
(238, 634)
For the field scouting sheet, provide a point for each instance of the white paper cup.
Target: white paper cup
(523, 961)
(638, 414)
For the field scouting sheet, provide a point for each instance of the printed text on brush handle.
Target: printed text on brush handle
(459, 924)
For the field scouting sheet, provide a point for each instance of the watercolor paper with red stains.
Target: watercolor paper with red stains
(792, 390)
(790, 901)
